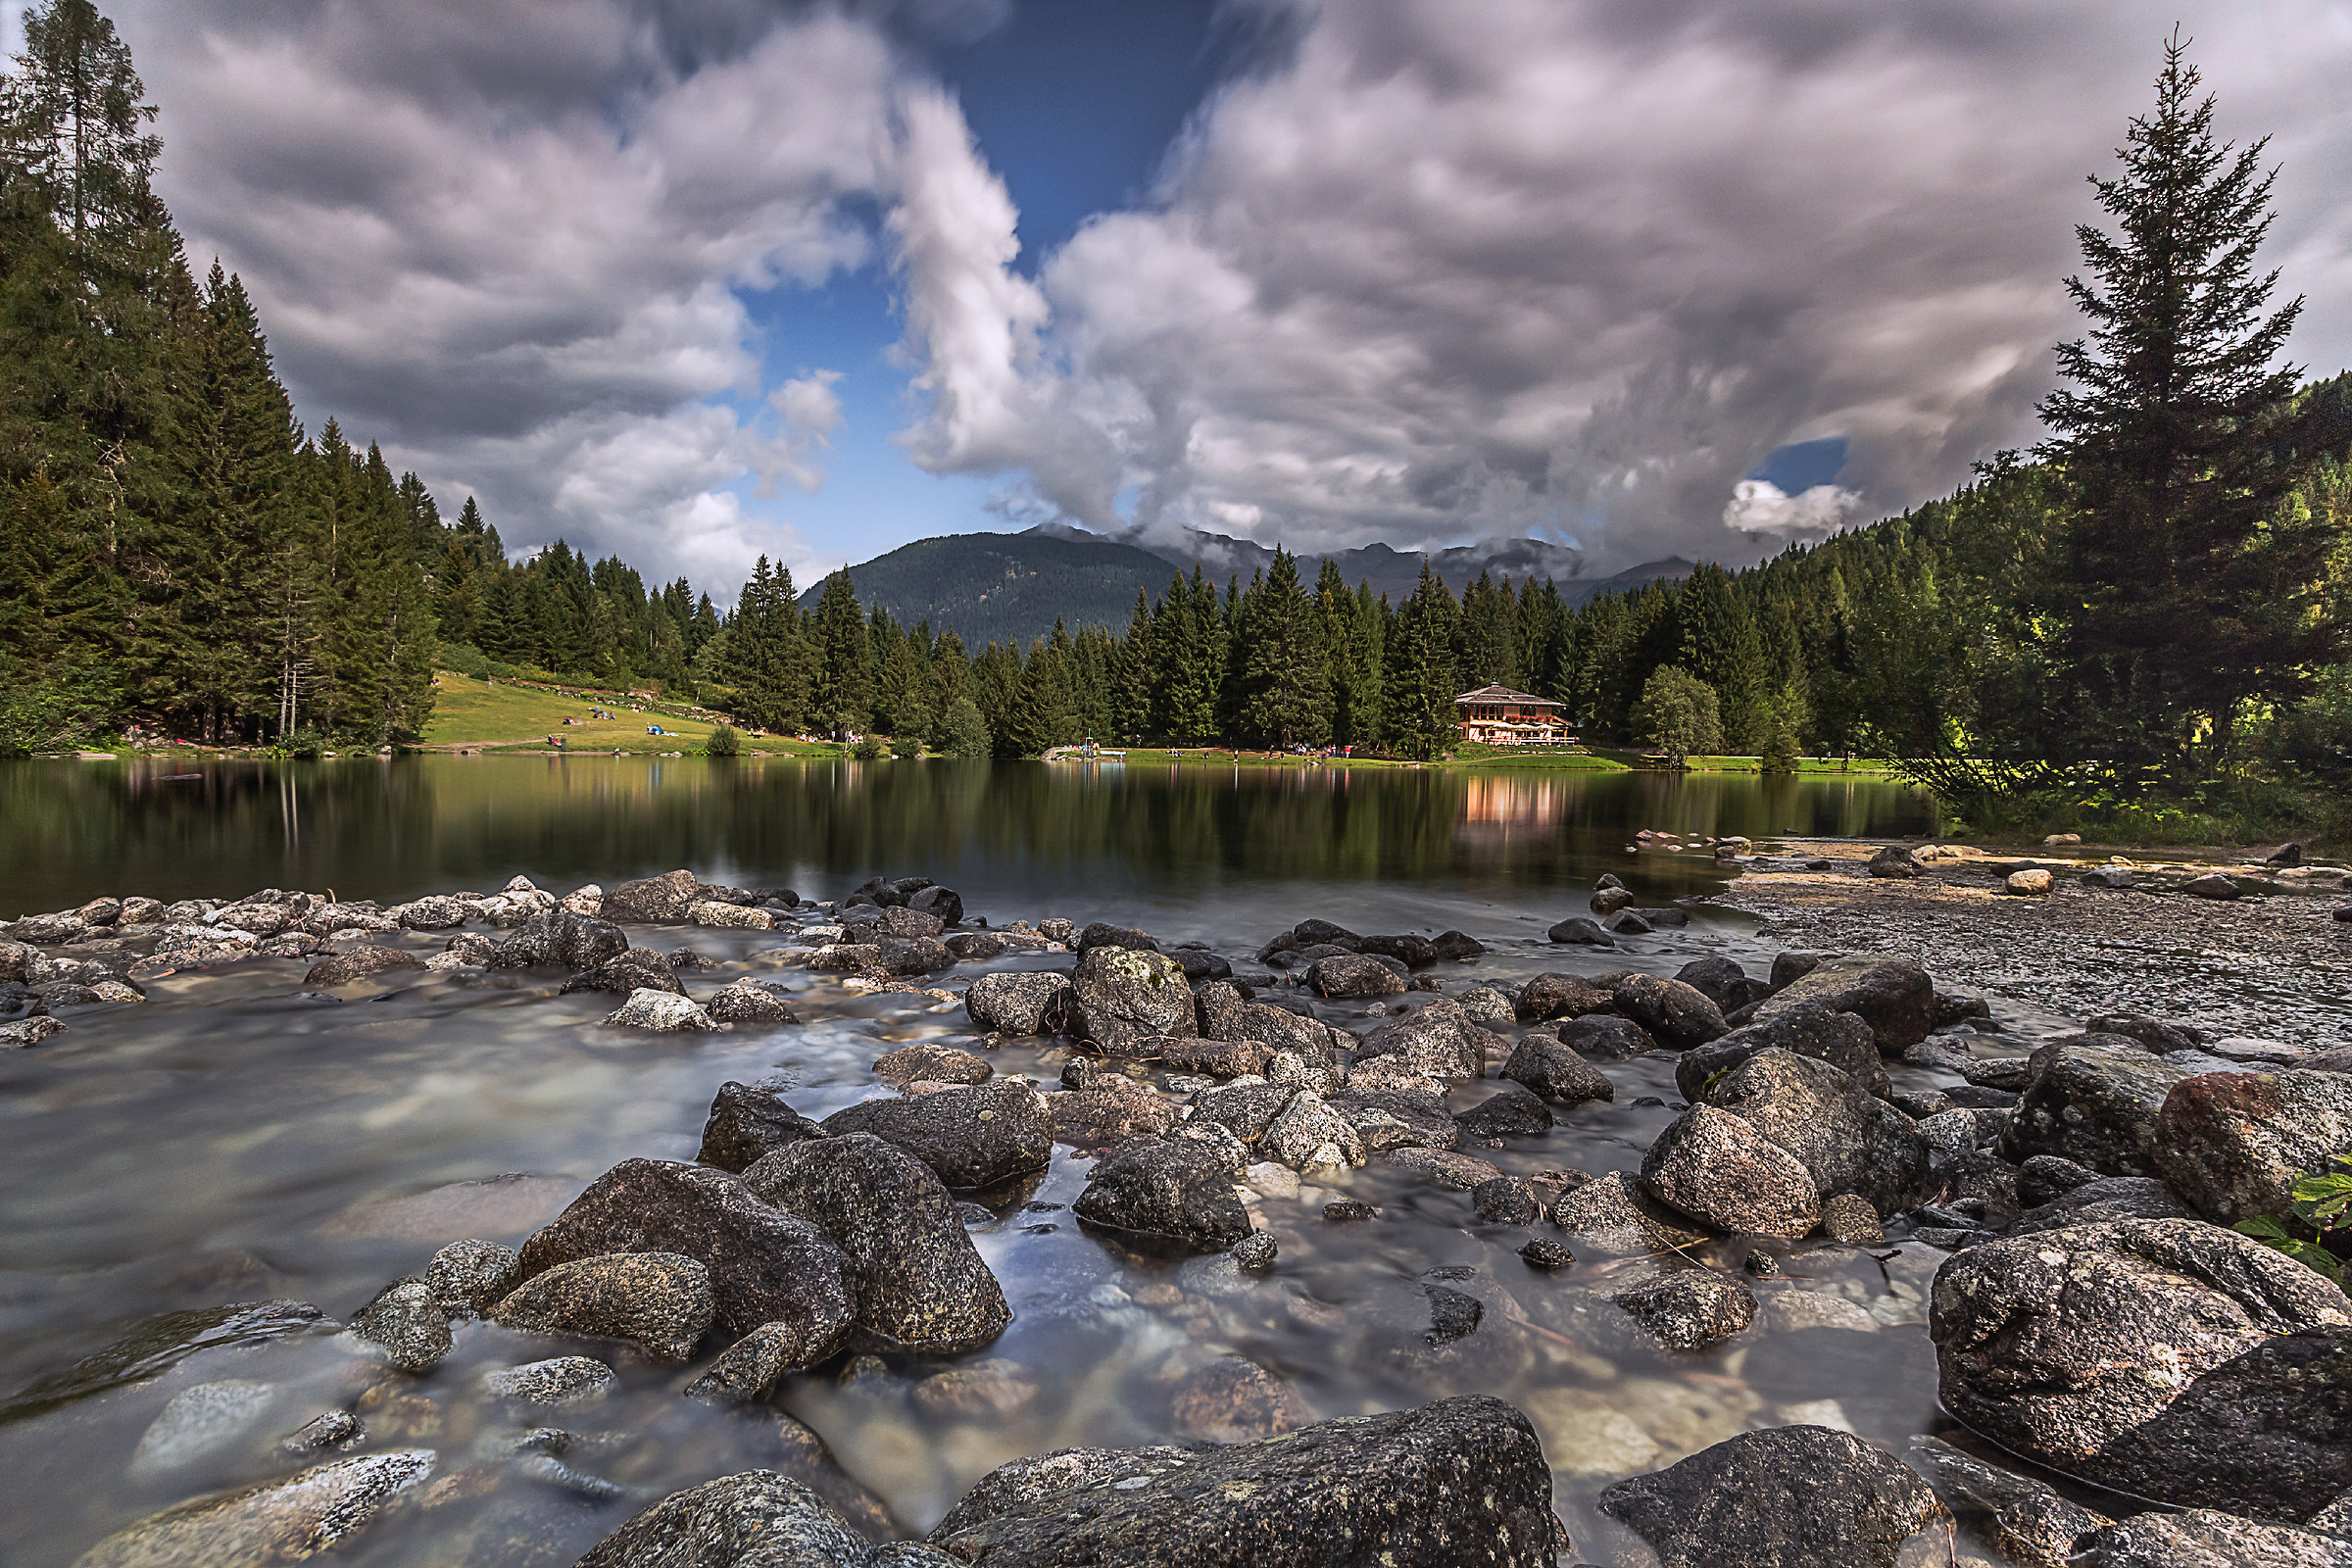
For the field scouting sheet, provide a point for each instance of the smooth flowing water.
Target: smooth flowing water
(234, 1140)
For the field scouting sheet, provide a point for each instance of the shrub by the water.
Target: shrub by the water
(906, 748)
(725, 741)
(869, 749)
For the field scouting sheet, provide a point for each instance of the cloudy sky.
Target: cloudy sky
(691, 280)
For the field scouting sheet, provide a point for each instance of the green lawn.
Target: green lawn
(472, 712)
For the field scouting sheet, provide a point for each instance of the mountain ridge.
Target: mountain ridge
(997, 587)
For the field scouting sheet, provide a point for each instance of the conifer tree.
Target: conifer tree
(1422, 679)
(2183, 590)
(841, 688)
(1285, 680)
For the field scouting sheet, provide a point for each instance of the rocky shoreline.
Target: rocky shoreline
(2088, 1311)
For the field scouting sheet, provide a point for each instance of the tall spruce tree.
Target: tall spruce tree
(1286, 679)
(2183, 590)
(1422, 679)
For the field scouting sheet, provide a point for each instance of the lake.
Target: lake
(235, 1140)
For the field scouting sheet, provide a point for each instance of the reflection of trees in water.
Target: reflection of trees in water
(392, 829)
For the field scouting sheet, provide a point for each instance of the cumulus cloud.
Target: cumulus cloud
(513, 241)
(1450, 267)
(1762, 509)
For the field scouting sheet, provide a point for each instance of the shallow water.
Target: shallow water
(227, 1140)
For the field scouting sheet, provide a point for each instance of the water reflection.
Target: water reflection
(393, 828)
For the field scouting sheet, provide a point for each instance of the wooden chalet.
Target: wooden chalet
(1496, 715)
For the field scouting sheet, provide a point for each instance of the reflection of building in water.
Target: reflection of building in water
(1497, 807)
(1501, 717)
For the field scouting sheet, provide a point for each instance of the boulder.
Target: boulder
(1613, 1214)
(436, 912)
(1347, 975)
(1415, 952)
(1245, 1110)
(1896, 861)
(1513, 1113)
(2029, 1521)
(660, 1012)
(1605, 1037)
(470, 1274)
(2204, 1538)
(1456, 947)
(1723, 982)
(2232, 1143)
(559, 938)
(1562, 996)
(1388, 1119)
(1218, 1058)
(358, 963)
(1120, 996)
(660, 1302)
(2167, 1358)
(278, 1521)
(1221, 1014)
(1840, 1039)
(922, 1288)
(847, 957)
(976, 946)
(905, 956)
(926, 1061)
(1023, 1002)
(1690, 1309)
(723, 916)
(2104, 1198)
(1308, 1133)
(1112, 1108)
(1577, 931)
(2212, 885)
(1893, 995)
(748, 1002)
(1232, 1400)
(632, 970)
(1794, 1497)
(1556, 1072)
(764, 1265)
(970, 1138)
(758, 1519)
(654, 900)
(745, 1123)
(2157, 1034)
(1847, 1139)
(1716, 1168)
(2094, 1100)
(408, 1322)
(25, 1033)
(749, 1370)
(1438, 1041)
(1103, 934)
(944, 905)
(1678, 1015)
(1460, 1481)
(1174, 1191)
(2031, 884)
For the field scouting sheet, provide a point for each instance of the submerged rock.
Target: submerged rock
(409, 1324)
(2167, 1358)
(1691, 1309)
(2031, 1522)
(558, 1381)
(1795, 1497)
(749, 1002)
(162, 1342)
(1460, 1481)
(471, 1274)
(198, 1420)
(2204, 1538)
(280, 1521)
(660, 1012)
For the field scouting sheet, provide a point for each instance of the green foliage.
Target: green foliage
(1680, 715)
(906, 748)
(724, 741)
(963, 733)
(304, 745)
(2317, 1207)
(868, 749)
(61, 709)
(1422, 679)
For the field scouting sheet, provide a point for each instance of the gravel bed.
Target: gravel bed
(2272, 964)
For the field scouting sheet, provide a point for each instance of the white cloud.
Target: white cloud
(1763, 510)
(512, 241)
(1460, 265)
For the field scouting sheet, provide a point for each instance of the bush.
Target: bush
(725, 741)
(304, 745)
(906, 748)
(57, 710)
(1680, 715)
(868, 749)
(965, 732)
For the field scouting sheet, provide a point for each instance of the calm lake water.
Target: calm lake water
(228, 1141)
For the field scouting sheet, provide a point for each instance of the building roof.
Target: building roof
(1503, 694)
